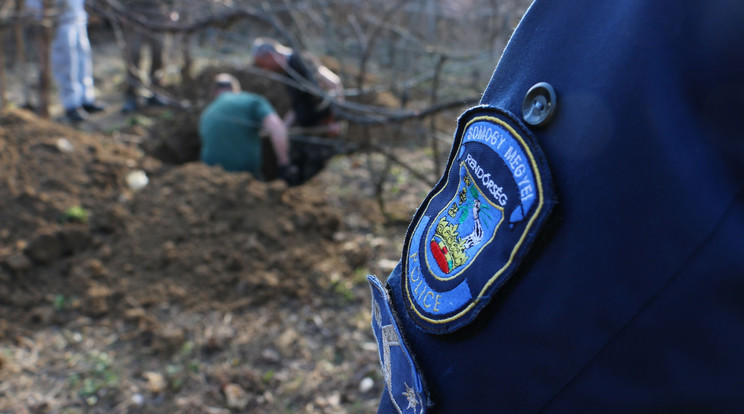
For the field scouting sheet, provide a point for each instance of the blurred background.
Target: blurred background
(135, 279)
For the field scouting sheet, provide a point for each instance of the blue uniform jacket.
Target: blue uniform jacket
(617, 284)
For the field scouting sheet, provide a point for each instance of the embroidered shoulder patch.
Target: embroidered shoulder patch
(473, 229)
(402, 380)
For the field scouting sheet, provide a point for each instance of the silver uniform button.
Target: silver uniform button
(539, 104)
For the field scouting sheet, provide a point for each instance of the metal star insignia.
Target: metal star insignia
(411, 397)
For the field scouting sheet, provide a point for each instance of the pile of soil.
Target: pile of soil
(203, 291)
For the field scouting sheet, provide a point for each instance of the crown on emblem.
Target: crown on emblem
(447, 247)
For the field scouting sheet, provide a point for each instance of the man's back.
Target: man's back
(229, 131)
(308, 107)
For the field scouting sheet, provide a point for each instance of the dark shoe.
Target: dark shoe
(130, 105)
(75, 115)
(93, 107)
(156, 100)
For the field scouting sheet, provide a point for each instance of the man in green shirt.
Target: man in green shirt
(230, 126)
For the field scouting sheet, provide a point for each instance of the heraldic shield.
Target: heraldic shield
(474, 228)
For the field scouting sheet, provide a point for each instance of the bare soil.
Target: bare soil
(202, 292)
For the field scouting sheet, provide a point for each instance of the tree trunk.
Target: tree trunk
(21, 56)
(45, 55)
(3, 83)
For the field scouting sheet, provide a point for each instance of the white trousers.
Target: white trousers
(72, 64)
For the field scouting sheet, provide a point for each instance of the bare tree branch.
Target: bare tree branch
(224, 19)
(372, 115)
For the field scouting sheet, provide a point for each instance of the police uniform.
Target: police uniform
(584, 249)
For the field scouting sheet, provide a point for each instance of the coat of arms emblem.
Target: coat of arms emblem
(473, 229)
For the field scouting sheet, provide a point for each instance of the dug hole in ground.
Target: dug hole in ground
(197, 291)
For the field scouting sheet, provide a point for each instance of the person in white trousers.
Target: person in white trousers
(72, 63)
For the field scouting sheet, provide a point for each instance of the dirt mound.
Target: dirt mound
(218, 233)
(208, 279)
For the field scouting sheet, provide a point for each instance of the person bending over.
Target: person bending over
(230, 130)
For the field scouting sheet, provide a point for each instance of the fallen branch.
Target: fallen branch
(405, 166)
